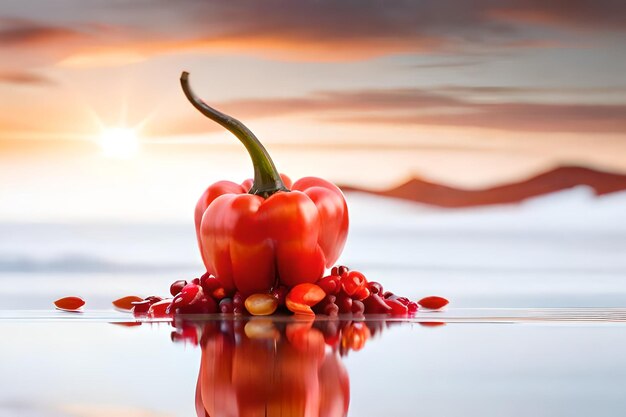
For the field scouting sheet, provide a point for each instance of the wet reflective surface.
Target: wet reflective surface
(461, 362)
(535, 325)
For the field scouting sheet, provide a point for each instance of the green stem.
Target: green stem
(267, 181)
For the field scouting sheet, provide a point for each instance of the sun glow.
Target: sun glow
(119, 142)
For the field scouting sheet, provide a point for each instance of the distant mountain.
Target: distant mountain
(548, 182)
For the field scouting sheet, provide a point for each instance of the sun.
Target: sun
(119, 142)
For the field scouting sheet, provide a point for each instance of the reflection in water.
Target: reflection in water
(262, 367)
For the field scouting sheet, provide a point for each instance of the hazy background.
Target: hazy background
(102, 159)
(367, 93)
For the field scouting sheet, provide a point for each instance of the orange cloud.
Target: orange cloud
(26, 33)
(597, 15)
(303, 30)
(27, 45)
(24, 77)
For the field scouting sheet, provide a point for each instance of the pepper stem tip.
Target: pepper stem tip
(267, 181)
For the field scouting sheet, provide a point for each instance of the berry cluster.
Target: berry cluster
(342, 292)
(350, 292)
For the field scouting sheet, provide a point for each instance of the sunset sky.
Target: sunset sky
(368, 93)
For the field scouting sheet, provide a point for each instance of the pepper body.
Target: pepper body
(267, 231)
(252, 244)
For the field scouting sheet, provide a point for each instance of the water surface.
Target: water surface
(462, 362)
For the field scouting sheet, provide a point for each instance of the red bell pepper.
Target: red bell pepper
(259, 234)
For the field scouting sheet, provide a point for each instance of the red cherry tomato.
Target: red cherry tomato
(352, 282)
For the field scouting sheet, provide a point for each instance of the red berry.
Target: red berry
(209, 306)
(344, 302)
(374, 304)
(226, 305)
(190, 293)
(388, 294)
(203, 305)
(403, 300)
(193, 300)
(195, 281)
(358, 307)
(320, 307)
(375, 287)
(237, 300)
(433, 302)
(352, 282)
(412, 307)
(339, 270)
(361, 294)
(219, 293)
(397, 308)
(177, 286)
(331, 309)
(212, 287)
(160, 309)
(210, 283)
(330, 284)
(280, 293)
(140, 307)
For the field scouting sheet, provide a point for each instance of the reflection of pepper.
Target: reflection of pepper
(254, 235)
(271, 371)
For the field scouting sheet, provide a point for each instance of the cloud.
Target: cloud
(122, 33)
(328, 27)
(353, 101)
(520, 117)
(473, 91)
(307, 30)
(448, 64)
(27, 33)
(586, 14)
(439, 107)
(24, 77)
